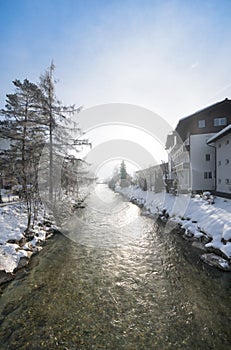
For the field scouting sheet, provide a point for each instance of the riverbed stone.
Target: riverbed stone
(13, 241)
(23, 262)
(53, 231)
(47, 223)
(29, 235)
(216, 261)
(216, 251)
(5, 277)
(199, 245)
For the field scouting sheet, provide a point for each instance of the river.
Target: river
(116, 280)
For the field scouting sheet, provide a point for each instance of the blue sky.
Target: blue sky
(172, 57)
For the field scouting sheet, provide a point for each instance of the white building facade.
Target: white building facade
(202, 163)
(192, 160)
(222, 144)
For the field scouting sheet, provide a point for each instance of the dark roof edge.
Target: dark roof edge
(202, 110)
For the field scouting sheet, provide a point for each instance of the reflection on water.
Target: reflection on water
(111, 222)
(143, 291)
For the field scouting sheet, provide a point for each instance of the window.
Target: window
(227, 142)
(219, 181)
(219, 145)
(207, 175)
(207, 157)
(227, 161)
(201, 123)
(219, 163)
(227, 181)
(220, 121)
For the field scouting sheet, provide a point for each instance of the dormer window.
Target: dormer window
(201, 123)
(220, 121)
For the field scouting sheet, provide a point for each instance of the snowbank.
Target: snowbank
(15, 246)
(200, 217)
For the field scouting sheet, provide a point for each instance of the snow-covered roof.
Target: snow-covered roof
(220, 134)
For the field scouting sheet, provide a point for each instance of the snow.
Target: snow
(10, 256)
(197, 215)
(227, 232)
(13, 220)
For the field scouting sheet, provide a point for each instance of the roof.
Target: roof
(161, 166)
(220, 134)
(190, 124)
(226, 100)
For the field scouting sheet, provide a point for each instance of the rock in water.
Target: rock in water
(215, 260)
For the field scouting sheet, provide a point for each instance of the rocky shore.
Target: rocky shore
(17, 246)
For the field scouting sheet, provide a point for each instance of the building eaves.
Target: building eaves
(220, 134)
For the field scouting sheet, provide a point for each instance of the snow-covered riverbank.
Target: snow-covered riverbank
(203, 219)
(16, 248)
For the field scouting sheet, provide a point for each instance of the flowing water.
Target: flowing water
(116, 281)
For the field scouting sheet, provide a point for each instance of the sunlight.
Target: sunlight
(104, 133)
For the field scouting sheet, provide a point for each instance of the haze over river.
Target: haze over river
(116, 280)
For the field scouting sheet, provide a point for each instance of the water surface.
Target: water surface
(117, 282)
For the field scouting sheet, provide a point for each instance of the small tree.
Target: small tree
(123, 171)
(125, 178)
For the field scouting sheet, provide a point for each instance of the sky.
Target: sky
(122, 131)
(171, 57)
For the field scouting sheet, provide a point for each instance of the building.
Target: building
(221, 141)
(152, 178)
(191, 159)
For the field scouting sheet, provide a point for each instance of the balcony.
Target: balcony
(181, 166)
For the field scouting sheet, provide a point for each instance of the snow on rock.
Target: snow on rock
(226, 234)
(226, 249)
(215, 260)
(13, 220)
(10, 256)
(12, 223)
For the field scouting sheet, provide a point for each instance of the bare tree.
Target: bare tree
(60, 126)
